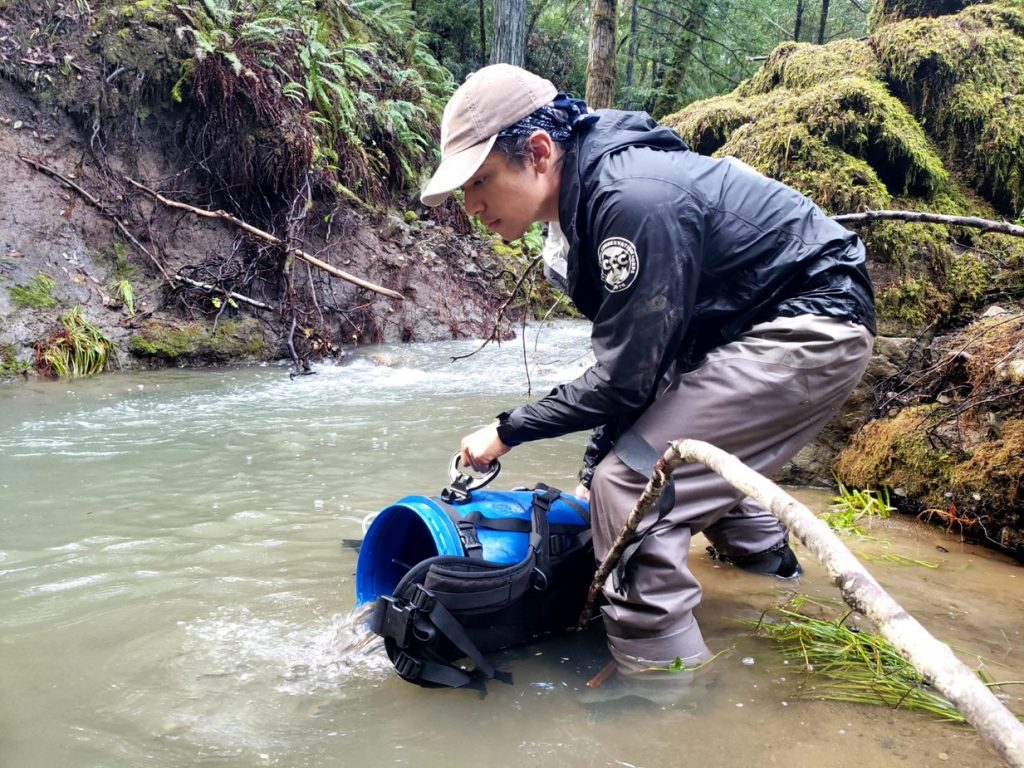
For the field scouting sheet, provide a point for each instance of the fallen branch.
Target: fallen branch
(230, 294)
(126, 233)
(934, 660)
(42, 168)
(501, 310)
(986, 225)
(263, 235)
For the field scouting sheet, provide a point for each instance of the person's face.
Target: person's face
(508, 197)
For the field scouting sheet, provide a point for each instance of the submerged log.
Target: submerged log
(933, 659)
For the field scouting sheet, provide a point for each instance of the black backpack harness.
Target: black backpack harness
(446, 608)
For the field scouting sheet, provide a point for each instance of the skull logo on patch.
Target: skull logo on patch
(619, 263)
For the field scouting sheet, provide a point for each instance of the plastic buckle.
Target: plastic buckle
(421, 599)
(470, 540)
(407, 667)
(393, 619)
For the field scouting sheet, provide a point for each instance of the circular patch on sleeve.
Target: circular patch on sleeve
(619, 263)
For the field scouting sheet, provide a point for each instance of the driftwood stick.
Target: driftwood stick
(263, 235)
(922, 217)
(934, 660)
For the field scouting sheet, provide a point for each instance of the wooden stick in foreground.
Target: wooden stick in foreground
(263, 235)
(934, 660)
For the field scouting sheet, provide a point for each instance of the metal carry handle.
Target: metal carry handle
(468, 483)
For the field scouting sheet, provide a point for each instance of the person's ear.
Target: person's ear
(542, 150)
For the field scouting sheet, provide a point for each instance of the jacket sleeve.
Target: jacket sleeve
(647, 238)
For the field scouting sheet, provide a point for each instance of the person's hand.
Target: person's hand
(582, 492)
(482, 448)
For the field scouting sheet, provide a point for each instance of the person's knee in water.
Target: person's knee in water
(725, 307)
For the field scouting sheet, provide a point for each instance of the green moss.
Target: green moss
(963, 77)
(706, 125)
(899, 453)
(799, 66)
(995, 471)
(38, 295)
(10, 365)
(887, 11)
(195, 342)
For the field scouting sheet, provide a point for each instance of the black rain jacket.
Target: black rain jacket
(671, 255)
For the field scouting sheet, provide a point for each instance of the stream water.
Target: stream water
(174, 589)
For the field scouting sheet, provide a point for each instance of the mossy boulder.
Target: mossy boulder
(199, 343)
(955, 455)
(962, 76)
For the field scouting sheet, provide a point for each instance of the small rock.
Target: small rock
(943, 756)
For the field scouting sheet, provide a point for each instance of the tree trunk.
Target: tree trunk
(934, 660)
(823, 21)
(631, 54)
(509, 38)
(799, 19)
(483, 35)
(675, 75)
(601, 54)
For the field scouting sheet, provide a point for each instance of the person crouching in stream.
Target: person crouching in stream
(726, 307)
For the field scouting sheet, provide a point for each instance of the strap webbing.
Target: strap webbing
(637, 454)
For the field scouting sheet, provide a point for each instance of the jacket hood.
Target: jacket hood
(614, 130)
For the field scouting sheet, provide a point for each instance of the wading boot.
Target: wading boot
(779, 561)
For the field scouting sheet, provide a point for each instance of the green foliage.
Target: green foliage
(38, 295)
(348, 91)
(77, 349)
(842, 662)
(126, 294)
(852, 508)
(10, 365)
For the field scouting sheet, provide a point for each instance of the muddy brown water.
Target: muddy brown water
(173, 588)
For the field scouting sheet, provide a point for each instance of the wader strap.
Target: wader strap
(637, 454)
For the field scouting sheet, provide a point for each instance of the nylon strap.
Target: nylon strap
(637, 454)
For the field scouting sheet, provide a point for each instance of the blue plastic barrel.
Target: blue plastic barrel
(418, 527)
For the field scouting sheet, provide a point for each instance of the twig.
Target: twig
(501, 310)
(923, 217)
(39, 166)
(230, 294)
(308, 258)
(932, 659)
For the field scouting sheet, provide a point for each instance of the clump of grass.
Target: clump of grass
(76, 349)
(38, 295)
(844, 663)
(10, 365)
(851, 508)
(895, 559)
(126, 294)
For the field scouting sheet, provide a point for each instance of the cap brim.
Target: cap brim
(454, 171)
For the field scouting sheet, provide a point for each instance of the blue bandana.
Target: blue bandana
(560, 119)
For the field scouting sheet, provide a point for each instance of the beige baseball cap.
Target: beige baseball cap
(491, 99)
